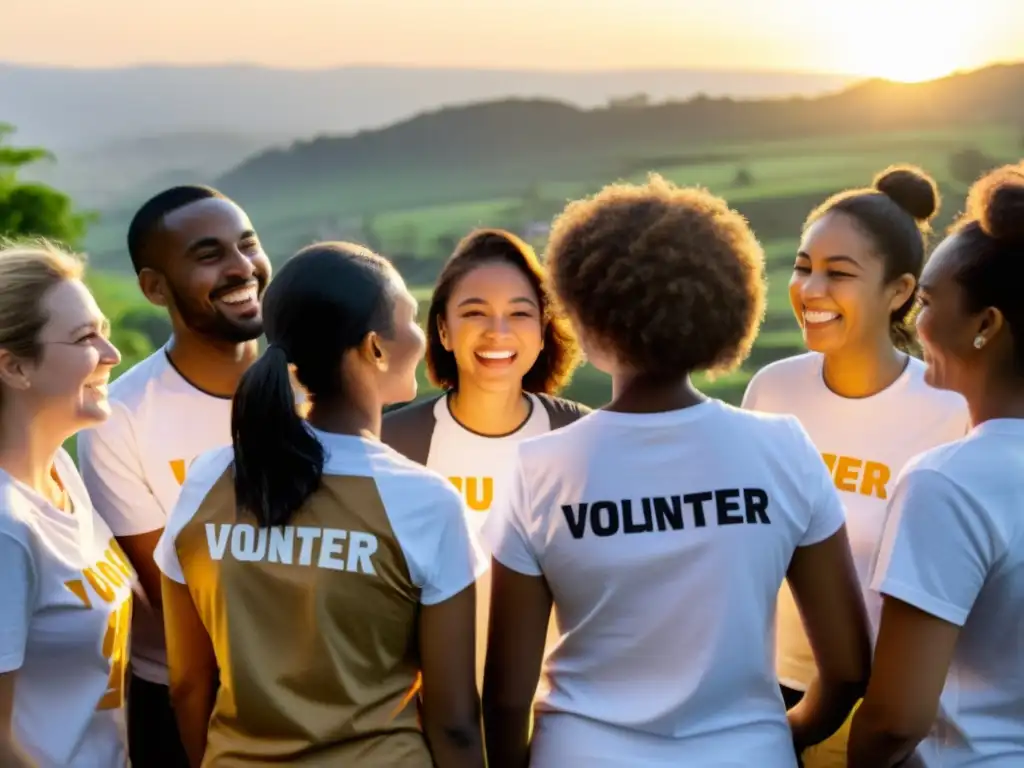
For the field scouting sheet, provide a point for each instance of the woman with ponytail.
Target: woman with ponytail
(859, 392)
(319, 587)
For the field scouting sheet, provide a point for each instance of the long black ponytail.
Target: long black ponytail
(278, 460)
(322, 303)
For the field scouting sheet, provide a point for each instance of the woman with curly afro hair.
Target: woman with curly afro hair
(948, 676)
(661, 526)
(500, 351)
(859, 393)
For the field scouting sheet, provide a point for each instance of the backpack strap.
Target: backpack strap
(409, 429)
(562, 412)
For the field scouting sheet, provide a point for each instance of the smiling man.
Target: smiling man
(196, 254)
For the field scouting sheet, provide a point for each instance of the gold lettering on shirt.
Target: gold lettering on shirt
(105, 577)
(478, 492)
(853, 475)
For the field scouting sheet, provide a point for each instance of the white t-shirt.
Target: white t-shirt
(65, 615)
(479, 468)
(314, 623)
(953, 547)
(478, 465)
(135, 463)
(865, 443)
(664, 538)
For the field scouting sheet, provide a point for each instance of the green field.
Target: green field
(416, 219)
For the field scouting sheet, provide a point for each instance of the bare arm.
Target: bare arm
(451, 703)
(11, 755)
(139, 551)
(17, 601)
(912, 659)
(193, 668)
(109, 460)
(824, 583)
(520, 610)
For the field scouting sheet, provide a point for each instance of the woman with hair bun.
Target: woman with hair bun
(949, 663)
(858, 391)
(661, 526)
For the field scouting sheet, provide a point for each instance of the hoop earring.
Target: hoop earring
(979, 341)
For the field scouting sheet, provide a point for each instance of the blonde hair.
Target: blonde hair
(29, 269)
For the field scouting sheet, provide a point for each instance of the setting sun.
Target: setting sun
(903, 40)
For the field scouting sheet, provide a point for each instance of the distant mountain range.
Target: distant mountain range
(70, 109)
(505, 142)
(118, 131)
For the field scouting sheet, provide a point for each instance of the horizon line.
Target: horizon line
(243, 64)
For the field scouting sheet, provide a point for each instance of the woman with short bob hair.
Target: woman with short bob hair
(500, 349)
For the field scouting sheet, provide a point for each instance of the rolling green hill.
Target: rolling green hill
(411, 190)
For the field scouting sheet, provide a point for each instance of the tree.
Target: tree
(28, 209)
(970, 164)
(743, 178)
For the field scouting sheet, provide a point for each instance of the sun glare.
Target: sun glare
(903, 40)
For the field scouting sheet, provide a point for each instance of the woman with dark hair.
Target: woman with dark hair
(661, 526)
(859, 393)
(500, 350)
(949, 663)
(316, 583)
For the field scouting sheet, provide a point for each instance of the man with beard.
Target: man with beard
(196, 254)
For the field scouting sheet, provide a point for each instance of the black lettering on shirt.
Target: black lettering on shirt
(653, 514)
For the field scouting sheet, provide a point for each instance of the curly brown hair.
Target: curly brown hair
(670, 278)
(561, 353)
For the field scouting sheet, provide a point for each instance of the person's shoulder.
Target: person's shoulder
(15, 511)
(776, 385)
(548, 449)
(408, 429)
(924, 394)
(562, 411)
(418, 484)
(780, 423)
(415, 413)
(777, 433)
(207, 468)
(786, 370)
(130, 388)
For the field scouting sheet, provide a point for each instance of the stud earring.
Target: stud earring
(979, 341)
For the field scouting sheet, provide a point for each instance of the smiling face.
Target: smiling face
(946, 329)
(838, 289)
(66, 387)
(210, 271)
(493, 325)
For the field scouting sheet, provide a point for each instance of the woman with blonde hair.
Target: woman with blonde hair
(66, 601)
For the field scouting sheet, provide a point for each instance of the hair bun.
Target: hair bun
(911, 189)
(997, 202)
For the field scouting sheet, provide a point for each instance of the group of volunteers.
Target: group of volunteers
(256, 561)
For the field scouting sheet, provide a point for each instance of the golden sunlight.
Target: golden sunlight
(903, 40)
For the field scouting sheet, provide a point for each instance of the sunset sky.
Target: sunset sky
(902, 39)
